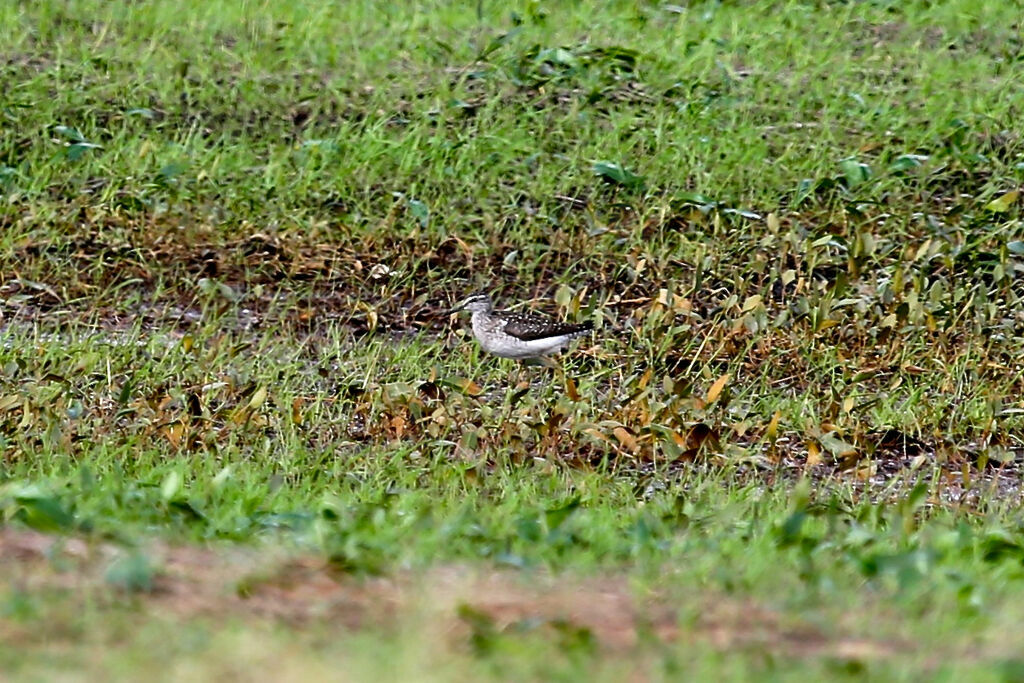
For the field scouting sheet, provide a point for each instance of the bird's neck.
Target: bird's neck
(480, 320)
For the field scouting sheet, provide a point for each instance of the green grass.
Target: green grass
(228, 231)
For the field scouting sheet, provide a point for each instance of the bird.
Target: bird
(522, 336)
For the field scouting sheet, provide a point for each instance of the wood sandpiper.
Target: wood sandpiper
(510, 334)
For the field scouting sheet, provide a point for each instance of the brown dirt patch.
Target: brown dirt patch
(195, 582)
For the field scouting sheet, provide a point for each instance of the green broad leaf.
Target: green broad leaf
(1003, 203)
(528, 528)
(694, 198)
(855, 172)
(803, 190)
(72, 134)
(171, 485)
(75, 151)
(45, 514)
(420, 212)
(555, 517)
(558, 56)
(132, 573)
(35, 506)
(188, 509)
(217, 289)
(836, 446)
(172, 171)
(495, 44)
(907, 162)
(222, 477)
(618, 175)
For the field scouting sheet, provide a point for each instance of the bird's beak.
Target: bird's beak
(453, 311)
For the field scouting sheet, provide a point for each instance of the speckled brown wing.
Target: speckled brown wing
(527, 327)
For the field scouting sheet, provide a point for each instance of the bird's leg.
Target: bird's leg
(518, 381)
(549, 363)
(541, 361)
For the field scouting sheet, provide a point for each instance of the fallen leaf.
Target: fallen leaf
(836, 446)
(627, 440)
(716, 388)
(1003, 203)
(466, 386)
(813, 454)
(257, 399)
(700, 436)
(772, 430)
(174, 433)
(398, 425)
(9, 402)
(570, 389)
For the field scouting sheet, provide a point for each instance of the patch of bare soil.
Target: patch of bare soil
(195, 582)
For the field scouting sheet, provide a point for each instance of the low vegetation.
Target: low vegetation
(238, 434)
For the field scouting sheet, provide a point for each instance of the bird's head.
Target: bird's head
(474, 303)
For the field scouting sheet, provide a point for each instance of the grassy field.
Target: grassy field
(239, 438)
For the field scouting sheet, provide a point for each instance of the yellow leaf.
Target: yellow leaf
(467, 386)
(773, 427)
(716, 388)
(9, 402)
(570, 389)
(922, 250)
(297, 411)
(751, 303)
(865, 470)
(813, 454)
(257, 399)
(398, 424)
(681, 304)
(27, 416)
(627, 440)
(1002, 204)
(174, 433)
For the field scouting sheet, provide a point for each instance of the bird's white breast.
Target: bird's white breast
(493, 339)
